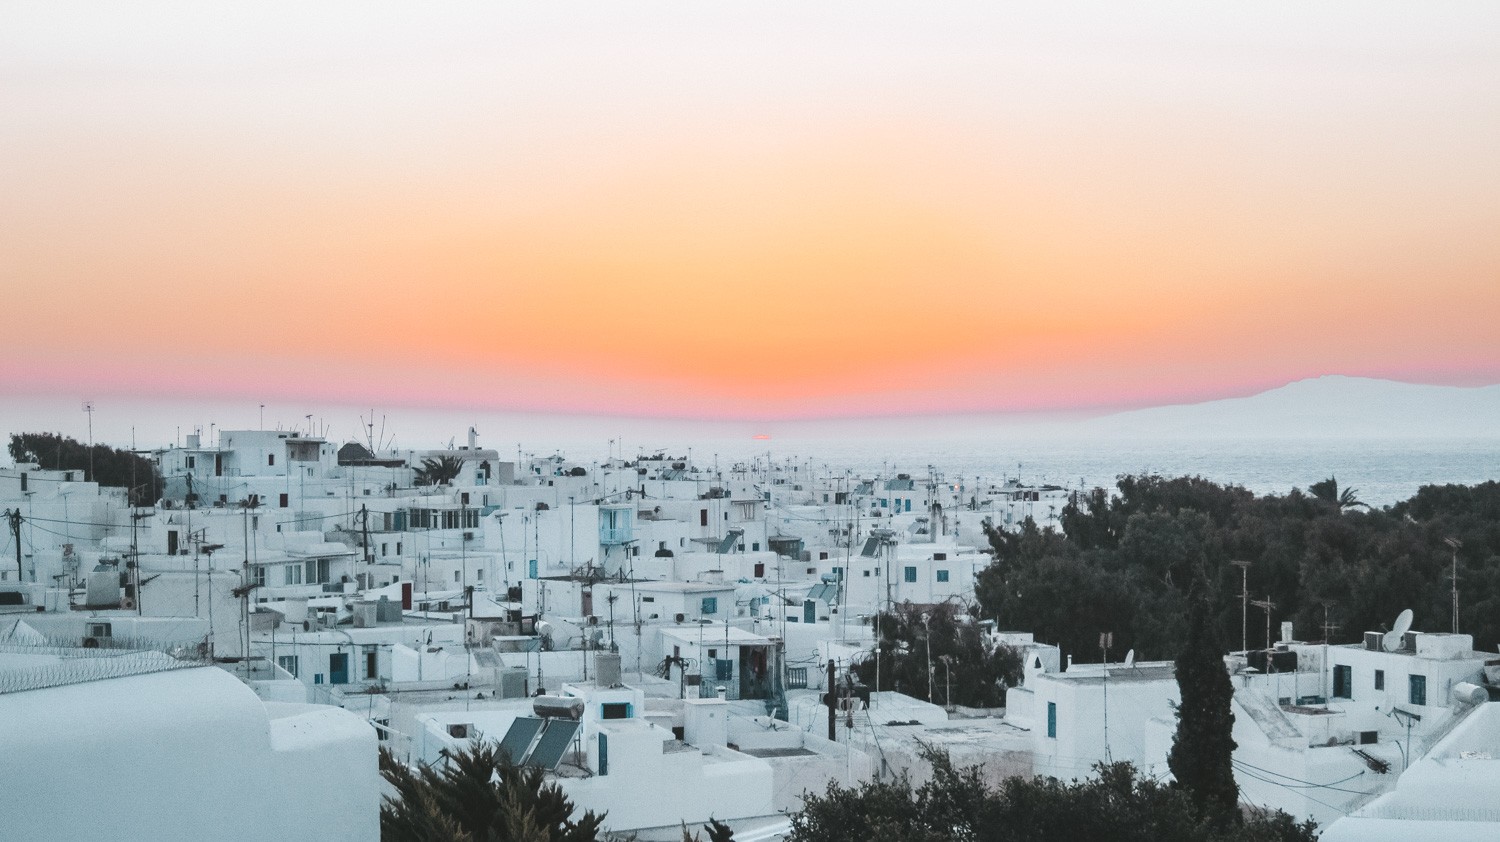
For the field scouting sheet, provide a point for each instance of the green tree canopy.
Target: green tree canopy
(1126, 562)
(478, 795)
(111, 467)
(975, 672)
(956, 804)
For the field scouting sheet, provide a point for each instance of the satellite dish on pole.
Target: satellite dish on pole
(1130, 658)
(1394, 638)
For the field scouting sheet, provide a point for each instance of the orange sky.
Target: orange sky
(774, 212)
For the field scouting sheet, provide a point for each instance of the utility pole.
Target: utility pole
(1244, 567)
(833, 700)
(364, 520)
(1268, 606)
(14, 515)
(88, 406)
(1454, 544)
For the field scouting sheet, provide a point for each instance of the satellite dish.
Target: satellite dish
(1393, 639)
(1130, 658)
(1403, 622)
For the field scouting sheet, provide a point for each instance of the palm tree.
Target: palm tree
(1328, 491)
(478, 794)
(440, 471)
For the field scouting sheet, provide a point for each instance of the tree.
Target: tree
(477, 795)
(440, 471)
(110, 467)
(1328, 491)
(1203, 747)
(913, 639)
(956, 804)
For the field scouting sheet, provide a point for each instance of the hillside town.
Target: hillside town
(670, 642)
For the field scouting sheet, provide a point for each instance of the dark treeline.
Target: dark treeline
(1127, 562)
(965, 669)
(111, 467)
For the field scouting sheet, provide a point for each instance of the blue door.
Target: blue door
(603, 755)
(338, 668)
(531, 568)
(809, 611)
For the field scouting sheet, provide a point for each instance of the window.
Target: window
(615, 710)
(479, 574)
(288, 663)
(260, 575)
(99, 630)
(270, 459)
(703, 517)
(911, 574)
(1418, 690)
(398, 548)
(292, 574)
(710, 605)
(1342, 682)
(1379, 679)
(755, 546)
(1052, 720)
(455, 576)
(283, 501)
(192, 462)
(648, 599)
(942, 575)
(867, 574)
(372, 662)
(760, 571)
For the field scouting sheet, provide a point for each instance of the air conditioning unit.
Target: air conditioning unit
(593, 620)
(679, 617)
(127, 603)
(458, 731)
(91, 643)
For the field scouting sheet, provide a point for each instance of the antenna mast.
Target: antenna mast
(1244, 567)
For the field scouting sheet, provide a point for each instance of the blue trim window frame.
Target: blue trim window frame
(942, 575)
(710, 605)
(1417, 686)
(911, 574)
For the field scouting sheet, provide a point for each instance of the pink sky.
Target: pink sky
(680, 210)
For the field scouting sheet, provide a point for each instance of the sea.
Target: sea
(1382, 472)
(1061, 452)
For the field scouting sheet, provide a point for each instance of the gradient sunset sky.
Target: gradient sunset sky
(750, 210)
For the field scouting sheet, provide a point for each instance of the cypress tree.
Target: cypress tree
(1202, 748)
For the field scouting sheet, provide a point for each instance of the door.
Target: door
(809, 611)
(338, 668)
(171, 542)
(603, 755)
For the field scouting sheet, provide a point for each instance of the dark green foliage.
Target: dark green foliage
(113, 468)
(478, 795)
(1202, 749)
(1328, 492)
(956, 804)
(440, 471)
(978, 673)
(1125, 563)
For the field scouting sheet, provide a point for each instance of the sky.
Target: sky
(744, 211)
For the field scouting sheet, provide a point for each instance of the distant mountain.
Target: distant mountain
(1332, 406)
